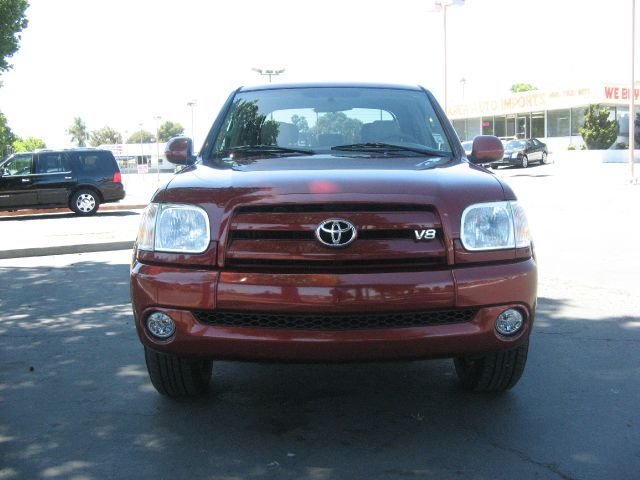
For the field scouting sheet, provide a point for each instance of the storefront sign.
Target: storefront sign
(526, 102)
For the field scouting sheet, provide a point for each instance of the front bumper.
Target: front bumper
(508, 161)
(180, 292)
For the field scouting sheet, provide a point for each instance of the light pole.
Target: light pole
(463, 82)
(443, 5)
(268, 73)
(141, 149)
(632, 96)
(157, 118)
(192, 104)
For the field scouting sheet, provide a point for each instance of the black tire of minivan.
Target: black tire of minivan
(492, 372)
(175, 376)
(85, 202)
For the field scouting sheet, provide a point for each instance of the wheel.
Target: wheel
(524, 163)
(544, 158)
(85, 202)
(494, 166)
(492, 372)
(175, 376)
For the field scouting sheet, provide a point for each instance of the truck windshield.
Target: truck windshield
(338, 120)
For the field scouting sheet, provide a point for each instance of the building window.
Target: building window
(511, 126)
(537, 124)
(558, 124)
(487, 125)
(577, 120)
(500, 127)
(622, 117)
(467, 128)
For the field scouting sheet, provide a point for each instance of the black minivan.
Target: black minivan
(80, 179)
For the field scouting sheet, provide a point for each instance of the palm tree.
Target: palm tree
(78, 132)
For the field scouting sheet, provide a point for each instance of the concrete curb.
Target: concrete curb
(105, 208)
(65, 249)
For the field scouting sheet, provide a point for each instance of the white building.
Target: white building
(554, 116)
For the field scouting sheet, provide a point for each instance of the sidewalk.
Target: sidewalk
(29, 233)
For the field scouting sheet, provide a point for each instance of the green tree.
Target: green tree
(522, 87)
(301, 123)
(168, 130)
(147, 137)
(6, 137)
(12, 21)
(598, 131)
(338, 122)
(29, 144)
(78, 132)
(105, 135)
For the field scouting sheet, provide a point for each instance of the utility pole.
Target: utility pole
(192, 104)
(157, 118)
(632, 97)
(141, 153)
(442, 5)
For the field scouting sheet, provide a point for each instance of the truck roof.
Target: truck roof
(281, 86)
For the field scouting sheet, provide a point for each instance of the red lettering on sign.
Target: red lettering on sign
(625, 93)
(608, 91)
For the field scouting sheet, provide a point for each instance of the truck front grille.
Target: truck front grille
(283, 237)
(350, 321)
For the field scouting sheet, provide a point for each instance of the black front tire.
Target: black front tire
(544, 160)
(85, 202)
(175, 376)
(492, 372)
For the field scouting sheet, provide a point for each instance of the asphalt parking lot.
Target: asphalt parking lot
(76, 402)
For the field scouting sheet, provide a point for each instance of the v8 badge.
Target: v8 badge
(428, 234)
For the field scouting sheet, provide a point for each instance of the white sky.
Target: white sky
(122, 62)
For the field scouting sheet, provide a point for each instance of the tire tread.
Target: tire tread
(175, 376)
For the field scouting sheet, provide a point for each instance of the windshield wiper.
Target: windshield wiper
(389, 147)
(269, 149)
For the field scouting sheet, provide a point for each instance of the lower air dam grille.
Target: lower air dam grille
(356, 321)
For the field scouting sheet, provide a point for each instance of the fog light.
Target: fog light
(509, 322)
(161, 325)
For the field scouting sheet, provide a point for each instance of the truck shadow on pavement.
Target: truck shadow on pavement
(76, 401)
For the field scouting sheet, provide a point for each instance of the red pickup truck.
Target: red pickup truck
(333, 223)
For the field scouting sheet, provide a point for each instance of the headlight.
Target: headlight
(174, 228)
(494, 226)
(515, 154)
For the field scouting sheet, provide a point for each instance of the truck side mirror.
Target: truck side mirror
(179, 150)
(486, 149)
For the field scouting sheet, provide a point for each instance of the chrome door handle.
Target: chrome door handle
(68, 178)
(25, 180)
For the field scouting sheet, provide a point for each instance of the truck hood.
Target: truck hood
(449, 186)
(338, 175)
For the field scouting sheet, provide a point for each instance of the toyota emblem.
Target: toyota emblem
(336, 233)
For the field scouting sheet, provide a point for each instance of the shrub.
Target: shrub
(598, 131)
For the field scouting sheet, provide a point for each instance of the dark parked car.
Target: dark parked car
(333, 223)
(80, 179)
(521, 153)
